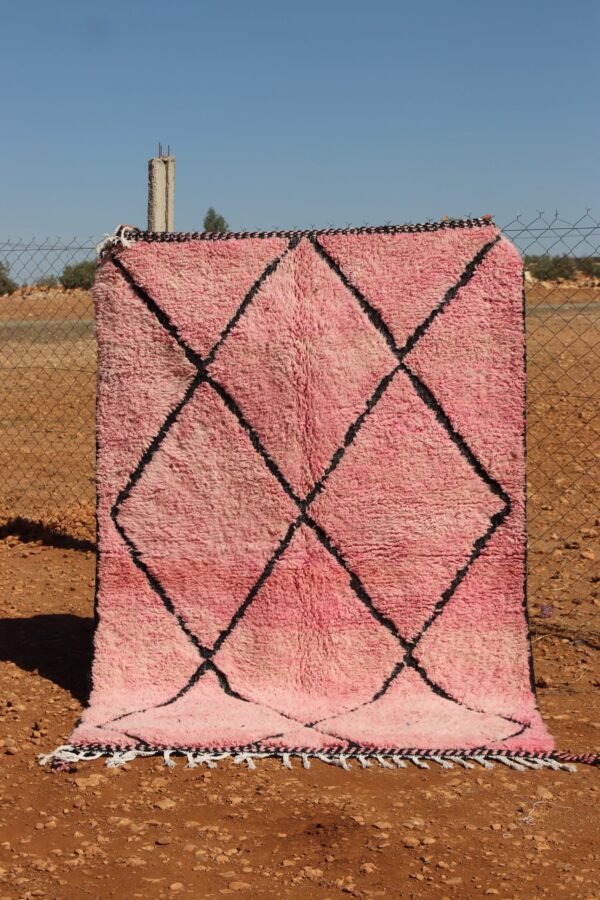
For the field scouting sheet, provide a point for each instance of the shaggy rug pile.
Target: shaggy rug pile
(311, 499)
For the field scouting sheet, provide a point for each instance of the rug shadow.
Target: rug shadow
(30, 530)
(57, 647)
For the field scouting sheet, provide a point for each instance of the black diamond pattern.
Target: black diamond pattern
(304, 518)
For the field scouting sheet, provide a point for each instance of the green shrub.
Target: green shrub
(48, 281)
(551, 268)
(214, 222)
(7, 285)
(589, 266)
(80, 275)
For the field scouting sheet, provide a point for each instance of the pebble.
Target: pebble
(411, 842)
(312, 873)
(91, 781)
(176, 886)
(417, 822)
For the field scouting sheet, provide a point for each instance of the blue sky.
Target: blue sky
(286, 114)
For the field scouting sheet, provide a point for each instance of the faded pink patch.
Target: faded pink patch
(469, 358)
(305, 621)
(308, 623)
(204, 716)
(207, 515)
(484, 659)
(307, 346)
(409, 714)
(405, 276)
(405, 507)
(130, 412)
(200, 284)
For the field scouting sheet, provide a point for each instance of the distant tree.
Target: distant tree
(7, 285)
(214, 222)
(48, 281)
(589, 266)
(80, 275)
(551, 268)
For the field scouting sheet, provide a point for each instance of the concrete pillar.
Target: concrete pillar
(161, 193)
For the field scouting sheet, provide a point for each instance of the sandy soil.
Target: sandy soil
(147, 831)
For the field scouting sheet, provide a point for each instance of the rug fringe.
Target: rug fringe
(121, 237)
(69, 754)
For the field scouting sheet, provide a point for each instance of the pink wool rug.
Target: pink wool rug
(311, 499)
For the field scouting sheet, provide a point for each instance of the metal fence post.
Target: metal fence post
(161, 192)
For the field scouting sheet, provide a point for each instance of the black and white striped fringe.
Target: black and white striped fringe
(126, 235)
(69, 754)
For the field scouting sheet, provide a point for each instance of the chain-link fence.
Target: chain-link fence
(47, 387)
(47, 383)
(563, 426)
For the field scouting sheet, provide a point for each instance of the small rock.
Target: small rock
(312, 873)
(411, 842)
(544, 794)
(166, 804)
(176, 886)
(416, 821)
(383, 826)
(239, 886)
(368, 868)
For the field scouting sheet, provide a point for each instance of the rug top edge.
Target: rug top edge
(133, 234)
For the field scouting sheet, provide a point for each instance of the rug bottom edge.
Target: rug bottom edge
(68, 754)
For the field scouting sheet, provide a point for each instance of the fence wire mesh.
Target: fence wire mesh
(47, 387)
(47, 399)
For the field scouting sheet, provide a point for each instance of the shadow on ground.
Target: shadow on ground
(58, 648)
(29, 530)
